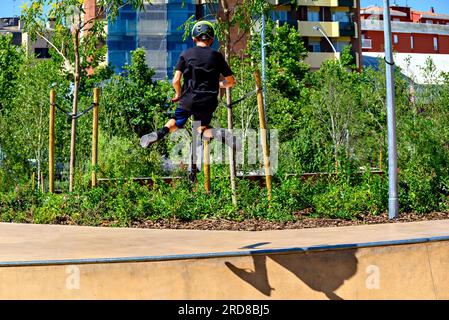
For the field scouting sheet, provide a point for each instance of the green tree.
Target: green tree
(24, 134)
(11, 58)
(286, 52)
(334, 104)
(286, 72)
(75, 40)
(134, 102)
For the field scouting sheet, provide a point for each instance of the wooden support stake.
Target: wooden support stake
(232, 165)
(227, 55)
(206, 152)
(263, 133)
(380, 159)
(95, 137)
(42, 183)
(193, 154)
(51, 144)
(33, 177)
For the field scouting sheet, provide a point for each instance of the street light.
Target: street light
(318, 28)
(393, 202)
(264, 64)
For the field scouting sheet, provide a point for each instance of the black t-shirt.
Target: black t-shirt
(201, 68)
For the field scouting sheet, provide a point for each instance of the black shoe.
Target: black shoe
(148, 139)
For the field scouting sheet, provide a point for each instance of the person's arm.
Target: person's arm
(228, 82)
(177, 85)
(226, 72)
(180, 67)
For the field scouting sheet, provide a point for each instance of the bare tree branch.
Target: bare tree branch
(53, 46)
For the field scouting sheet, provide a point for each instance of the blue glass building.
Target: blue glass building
(122, 38)
(178, 12)
(157, 29)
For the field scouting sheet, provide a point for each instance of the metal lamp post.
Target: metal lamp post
(263, 44)
(318, 28)
(393, 203)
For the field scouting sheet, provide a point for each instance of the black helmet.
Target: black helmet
(203, 30)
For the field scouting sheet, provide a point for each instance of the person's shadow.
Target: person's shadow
(323, 271)
(257, 278)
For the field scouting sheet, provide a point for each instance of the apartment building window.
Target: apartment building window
(367, 44)
(207, 9)
(340, 16)
(325, 14)
(313, 15)
(17, 38)
(395, 39)
(429, 21)
(42, 53)
(435, 43)
(339, 45)
(279, 15)
(314, 46)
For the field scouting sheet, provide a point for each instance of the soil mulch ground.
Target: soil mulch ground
(303, 221)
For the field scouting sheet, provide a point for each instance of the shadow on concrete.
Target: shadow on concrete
(323, 271)
(257, 278)
(256, 245)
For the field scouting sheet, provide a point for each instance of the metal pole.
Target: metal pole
(95, 137)
(263, 133)
(318, 28)
(51, 144)
(327, 38)
(393, 205)
(264, 62)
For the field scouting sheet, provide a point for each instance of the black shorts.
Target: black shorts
(181, 116)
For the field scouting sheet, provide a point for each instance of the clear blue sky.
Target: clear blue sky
(7, 7)
(441, 6)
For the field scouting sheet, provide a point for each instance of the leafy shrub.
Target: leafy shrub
(346, 201)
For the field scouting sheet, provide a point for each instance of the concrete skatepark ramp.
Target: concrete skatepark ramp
(390, 261)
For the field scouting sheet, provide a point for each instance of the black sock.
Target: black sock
(162, 132)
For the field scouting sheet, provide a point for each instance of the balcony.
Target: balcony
(331, 29)
(323, 3)
(318, 3)
(281, 2)
(406, 27)
(346, 3)
(347, 29)
(367, 44)
(316, 59)
(291, 23)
